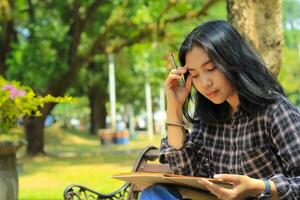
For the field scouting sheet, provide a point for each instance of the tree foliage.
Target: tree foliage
(59, 46)
(290, 71)
(54, 40)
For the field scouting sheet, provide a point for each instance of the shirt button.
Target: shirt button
(231, 171)
(233, 148)
(232, 126)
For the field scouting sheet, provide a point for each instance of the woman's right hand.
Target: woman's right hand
(175, 93)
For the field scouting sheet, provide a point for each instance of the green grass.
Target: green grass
(74, 157)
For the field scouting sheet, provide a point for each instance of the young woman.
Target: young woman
(245, 131)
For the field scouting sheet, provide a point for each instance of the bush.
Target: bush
(18, 101)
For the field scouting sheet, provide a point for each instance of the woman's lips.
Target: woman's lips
(212, 94)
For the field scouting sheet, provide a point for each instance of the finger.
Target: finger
(214, 188)
(174, 76)
(189, 83)
(172, 80)
(233, 178)
(181, 70)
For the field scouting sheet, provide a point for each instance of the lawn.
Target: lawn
(74, 157)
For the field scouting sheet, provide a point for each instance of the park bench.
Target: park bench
(144, 163)
(127, 191)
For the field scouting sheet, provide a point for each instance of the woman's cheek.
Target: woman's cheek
(197, 86)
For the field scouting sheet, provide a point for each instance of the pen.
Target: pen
(181, 81)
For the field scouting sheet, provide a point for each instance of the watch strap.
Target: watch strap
(267, 194)
(268, 186)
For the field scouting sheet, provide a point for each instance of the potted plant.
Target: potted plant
(16, 102)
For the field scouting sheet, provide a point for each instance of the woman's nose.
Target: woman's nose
(207, 83)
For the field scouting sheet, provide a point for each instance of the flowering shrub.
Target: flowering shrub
(18, 101)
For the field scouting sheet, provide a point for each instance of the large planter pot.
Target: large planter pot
(121, 137)
(106, 136)
(8, 170)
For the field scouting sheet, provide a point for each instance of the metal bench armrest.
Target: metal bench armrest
(127, 191)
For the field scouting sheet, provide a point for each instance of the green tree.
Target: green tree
(8, 34)
(58, 38)
(291, 17)
(289, 75)
(130, 62)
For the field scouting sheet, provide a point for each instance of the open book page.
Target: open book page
(191, 181)
(145, 179)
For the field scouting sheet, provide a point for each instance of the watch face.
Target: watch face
(264, 197)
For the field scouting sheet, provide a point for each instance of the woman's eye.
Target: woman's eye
(211, 68)
(195, 76)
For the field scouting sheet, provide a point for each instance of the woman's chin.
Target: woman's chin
(217, 101)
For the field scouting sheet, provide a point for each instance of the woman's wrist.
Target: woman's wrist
(257, 187)
(174, 115)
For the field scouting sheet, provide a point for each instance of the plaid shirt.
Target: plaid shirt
(264, 145)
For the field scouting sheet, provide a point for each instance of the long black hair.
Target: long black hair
(242, 66)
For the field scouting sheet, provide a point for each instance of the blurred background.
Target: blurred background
(112, 56)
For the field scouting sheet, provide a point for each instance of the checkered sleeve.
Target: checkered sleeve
(183, 161)
(285, 136)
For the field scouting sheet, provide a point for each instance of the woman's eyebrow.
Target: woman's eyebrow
(203, 64)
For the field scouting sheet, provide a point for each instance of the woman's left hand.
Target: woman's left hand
(243, 186)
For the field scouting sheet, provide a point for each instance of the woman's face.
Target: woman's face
(208, 79)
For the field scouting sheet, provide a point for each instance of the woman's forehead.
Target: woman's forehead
(196, 57)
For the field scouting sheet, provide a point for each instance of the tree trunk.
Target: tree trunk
(98, 111)
(260, 23)
(34, 128)
(8, 37)
(103, 114)
(34, 131)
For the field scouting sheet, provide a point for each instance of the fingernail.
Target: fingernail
(217, 176)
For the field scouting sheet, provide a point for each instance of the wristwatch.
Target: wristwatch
(267, 194)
